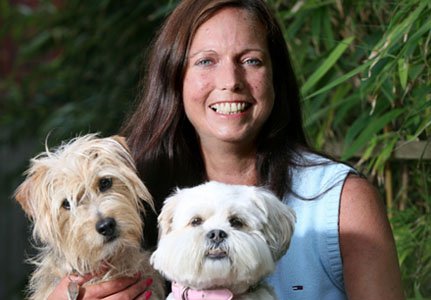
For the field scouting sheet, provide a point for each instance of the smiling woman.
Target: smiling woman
(192, 60)
(229, 69)
(221, 103)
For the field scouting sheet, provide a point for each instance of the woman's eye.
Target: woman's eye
(196, 221)
(203, 62)
(105, 184)
(253, 61)
(236, 223)
(65, 204)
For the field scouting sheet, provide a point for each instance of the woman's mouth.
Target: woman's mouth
(230, 108)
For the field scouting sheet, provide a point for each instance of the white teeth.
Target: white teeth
(230, 108)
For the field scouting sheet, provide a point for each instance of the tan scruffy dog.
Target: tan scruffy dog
(85, 201)
(227, 238)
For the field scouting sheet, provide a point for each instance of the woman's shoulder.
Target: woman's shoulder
(366, 243)
(313, 174)
(308, 159)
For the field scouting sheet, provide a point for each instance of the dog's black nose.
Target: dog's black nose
(106, 227)
(216, 236)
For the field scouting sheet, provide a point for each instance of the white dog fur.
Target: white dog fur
(254, 229)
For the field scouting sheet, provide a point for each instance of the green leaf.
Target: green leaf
(328, 35)
(355, 128)
(338, 99)
(340, 80)
(398, 29)
(327, 65)
(372, 128)
(403, 72)
(418, 295)
(385, 153)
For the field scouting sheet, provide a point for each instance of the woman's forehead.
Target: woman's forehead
(227, 28)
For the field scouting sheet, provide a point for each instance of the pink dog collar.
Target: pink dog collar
(185, 293)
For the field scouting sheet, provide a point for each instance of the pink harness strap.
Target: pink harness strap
(185, 293)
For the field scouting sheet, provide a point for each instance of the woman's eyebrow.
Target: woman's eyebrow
(214, 52)
(201, 51)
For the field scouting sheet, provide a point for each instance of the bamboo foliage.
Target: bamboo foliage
(373, 69)
(364, 68)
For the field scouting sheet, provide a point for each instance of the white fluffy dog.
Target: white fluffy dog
(218, 241)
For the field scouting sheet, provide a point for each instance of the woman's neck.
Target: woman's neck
(230, 163)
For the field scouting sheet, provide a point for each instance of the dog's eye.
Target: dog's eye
(236, 223)
(196, 221)
(105, 184)
(66, 204)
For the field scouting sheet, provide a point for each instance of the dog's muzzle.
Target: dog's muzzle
(107, 228)
(217, 247)
(216, 236)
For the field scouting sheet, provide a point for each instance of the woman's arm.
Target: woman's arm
(370, 262)
(123, 288)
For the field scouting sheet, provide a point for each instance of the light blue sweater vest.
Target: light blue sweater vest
(312, 267)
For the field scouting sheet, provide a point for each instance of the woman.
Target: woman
(220, 102)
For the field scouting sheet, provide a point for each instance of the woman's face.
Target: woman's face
(228, 92)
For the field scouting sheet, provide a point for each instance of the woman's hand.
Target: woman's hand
(122, 288)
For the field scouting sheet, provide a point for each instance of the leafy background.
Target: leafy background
(72, 67)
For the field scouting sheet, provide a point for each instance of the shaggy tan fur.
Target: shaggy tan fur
(66, 194)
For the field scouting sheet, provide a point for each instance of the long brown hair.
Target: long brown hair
(162, 140)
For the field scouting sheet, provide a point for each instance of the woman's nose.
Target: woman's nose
(230, 77)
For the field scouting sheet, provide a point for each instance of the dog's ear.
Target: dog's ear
(121, 140)
(25, 192)
(23, 195)
(141, 189)
(280, 221)
(144, 195)
(166, 216)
